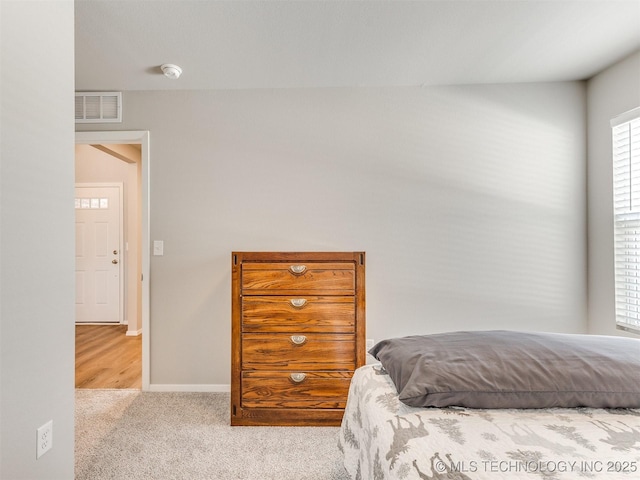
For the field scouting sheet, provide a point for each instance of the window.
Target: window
(625, 131)
(91, 203)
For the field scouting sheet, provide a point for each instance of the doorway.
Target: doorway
(116, 145)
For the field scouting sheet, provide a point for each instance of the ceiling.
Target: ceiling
(120, 45)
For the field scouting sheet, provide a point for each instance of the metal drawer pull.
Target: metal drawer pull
(297, 377)
(298, 269)
(298, 339)
(298, 302)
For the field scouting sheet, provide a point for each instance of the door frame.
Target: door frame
(121, 257)
(140, 137)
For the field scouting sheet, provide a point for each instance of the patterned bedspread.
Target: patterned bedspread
(382, 438)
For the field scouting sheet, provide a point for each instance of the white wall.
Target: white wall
(36, 242)
(612, 92)
(469, 201)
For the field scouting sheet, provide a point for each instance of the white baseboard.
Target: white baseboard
(134, 333)
(163, 387)
(98, 323)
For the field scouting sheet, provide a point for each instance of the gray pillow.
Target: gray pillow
(505, 369)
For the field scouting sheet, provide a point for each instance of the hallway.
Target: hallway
(107, 358)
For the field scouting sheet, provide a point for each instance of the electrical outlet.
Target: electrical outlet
(44, 439)
(370, 343)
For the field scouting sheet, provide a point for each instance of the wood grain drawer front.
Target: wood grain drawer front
(308, 390)
(299, 314)
(320, 278)
(263, 351)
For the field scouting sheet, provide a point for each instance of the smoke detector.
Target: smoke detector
(171, 71)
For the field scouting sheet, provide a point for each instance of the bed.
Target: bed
(425, 412)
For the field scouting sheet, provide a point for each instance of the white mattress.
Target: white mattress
(382, 438)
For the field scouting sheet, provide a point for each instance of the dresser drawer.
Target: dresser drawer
(298, 314)
(264, 389)
(319, 278)
(315, 351)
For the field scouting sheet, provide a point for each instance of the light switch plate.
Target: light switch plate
(158, 248)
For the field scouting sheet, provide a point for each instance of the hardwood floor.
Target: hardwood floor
(107, 358)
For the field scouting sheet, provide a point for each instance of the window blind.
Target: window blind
(625, 131)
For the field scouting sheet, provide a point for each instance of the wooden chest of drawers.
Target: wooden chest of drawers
(298, 334)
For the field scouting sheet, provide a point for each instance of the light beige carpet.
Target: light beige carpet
(127, 434)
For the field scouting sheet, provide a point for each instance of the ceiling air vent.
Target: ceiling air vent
(98, 107)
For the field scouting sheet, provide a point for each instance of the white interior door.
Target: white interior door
(98, 253)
